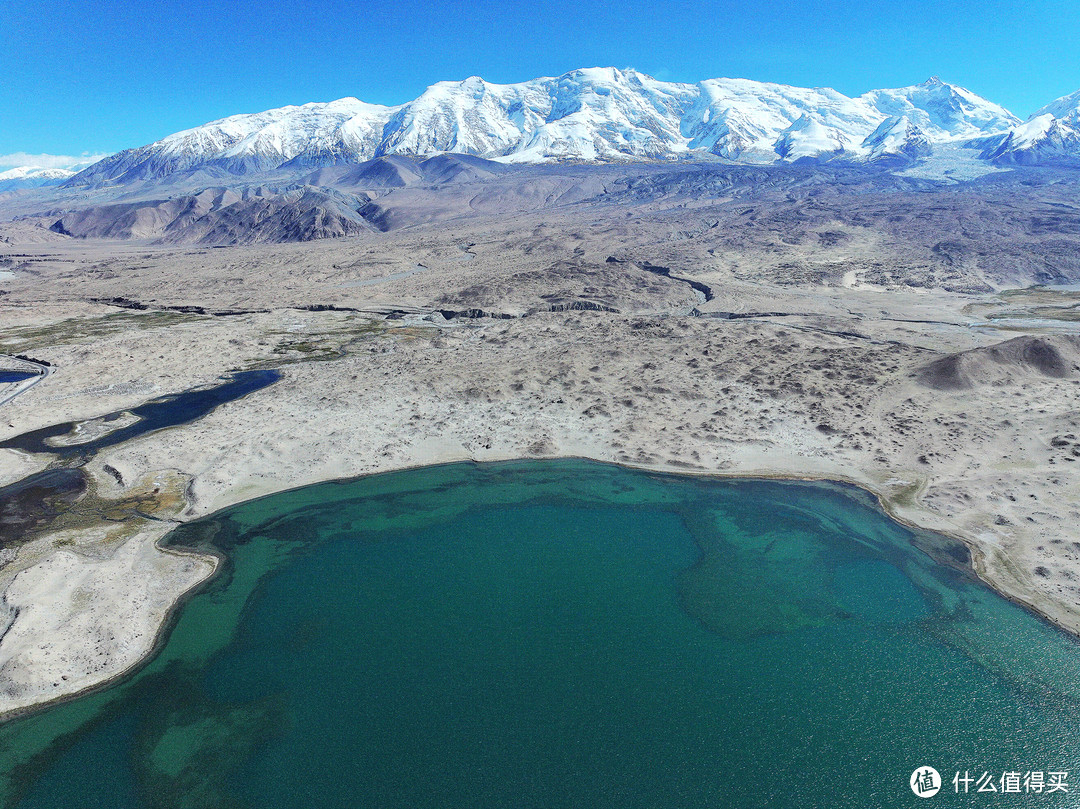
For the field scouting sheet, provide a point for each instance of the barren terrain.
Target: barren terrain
(896, 334)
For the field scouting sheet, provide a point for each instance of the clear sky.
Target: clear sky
(93, 76)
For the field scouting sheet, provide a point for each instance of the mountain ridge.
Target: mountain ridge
(593, 115)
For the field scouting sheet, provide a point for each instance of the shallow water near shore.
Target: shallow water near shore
(157, 414)
(561, 634)
(16, 376)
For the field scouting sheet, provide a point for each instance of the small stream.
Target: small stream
(31, 503)
(157, 414)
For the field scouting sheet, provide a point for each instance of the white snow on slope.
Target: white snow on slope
(943, 111)
(32, 177)
(1067, 108)
(1042, 139)
(35, 173)
(590, 114)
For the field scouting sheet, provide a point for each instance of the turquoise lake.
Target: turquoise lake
(567, 634)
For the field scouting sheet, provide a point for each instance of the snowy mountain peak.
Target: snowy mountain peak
(1043, 139)
(20, 177)
(943, 111)
(1051, 136)
(35, 172)
(897, 138)
(597, 113)
(809, 138)
(1066, 108)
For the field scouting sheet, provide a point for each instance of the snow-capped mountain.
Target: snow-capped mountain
(750, 120)
(942, 111)
(592, 114)
(1051, 136)
(32, 177)
(1066, 108)
(898, 138)
(1042, 140)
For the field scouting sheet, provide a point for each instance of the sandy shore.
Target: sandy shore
(960, 412)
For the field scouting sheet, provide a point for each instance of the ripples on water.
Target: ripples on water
(565, 633)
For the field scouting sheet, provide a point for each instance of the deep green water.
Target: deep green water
(566, 634)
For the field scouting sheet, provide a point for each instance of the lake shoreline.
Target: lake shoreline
(699, 585)
(359, 394)
(217, 557)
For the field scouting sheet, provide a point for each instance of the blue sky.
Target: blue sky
(94, 76)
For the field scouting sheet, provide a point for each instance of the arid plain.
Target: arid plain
(916, 338)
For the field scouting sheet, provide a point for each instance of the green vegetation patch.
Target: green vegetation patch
(87, 329)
